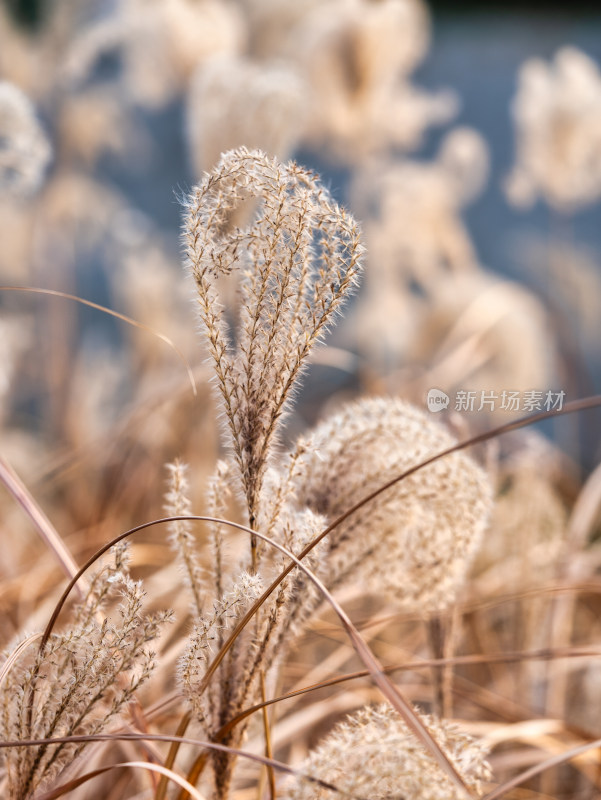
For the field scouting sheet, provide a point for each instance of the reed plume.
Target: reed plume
(415, 540)
(81, 681)
(391, 763)
(296, 260)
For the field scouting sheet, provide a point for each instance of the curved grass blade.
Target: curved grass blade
(158, 737)
(426, 663)
(168, 774)
(117, 315)
(537, 769)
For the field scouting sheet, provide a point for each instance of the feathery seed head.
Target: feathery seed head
(296, 260)
(82, 680)
(205, 641)
(393, 763)
(425, 528)
(181, 538)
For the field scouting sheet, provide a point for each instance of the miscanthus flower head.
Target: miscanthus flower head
(295, 261)
(390, 762)
(557, 114)
(24, 148)
(82, 681)
(416, 539)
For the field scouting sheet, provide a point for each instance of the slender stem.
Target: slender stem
(268, 747)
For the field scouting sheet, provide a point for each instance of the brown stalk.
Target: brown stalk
(195, 772)
(440, 636)
(172, 755)
(268, 747)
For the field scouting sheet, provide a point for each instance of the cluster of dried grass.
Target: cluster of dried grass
(306, 574)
